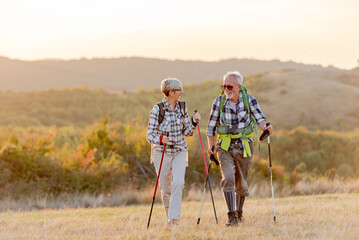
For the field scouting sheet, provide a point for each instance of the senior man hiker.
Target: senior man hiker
(171, 117)
(232, 118)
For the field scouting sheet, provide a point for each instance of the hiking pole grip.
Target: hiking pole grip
(265, 133)
(192, 119)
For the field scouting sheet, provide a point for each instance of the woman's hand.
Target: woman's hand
(196, 117)
(165, 139)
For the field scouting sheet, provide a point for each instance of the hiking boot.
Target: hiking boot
(172, 223)
(240, 215)
(232, 219)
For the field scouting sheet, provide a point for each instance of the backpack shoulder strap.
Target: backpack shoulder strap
(161, 113)
(246, 103)
(245, 99)
(182, 107)
(221, 106)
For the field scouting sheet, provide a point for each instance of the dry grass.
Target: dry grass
(302, 217)
(79, 200)
(128, 197)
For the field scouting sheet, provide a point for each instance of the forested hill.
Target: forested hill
(289, 98)
(132, 73)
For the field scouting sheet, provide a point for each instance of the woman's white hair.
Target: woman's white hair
(235, 74)
(169, 84)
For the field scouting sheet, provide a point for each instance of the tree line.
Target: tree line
(110, 155)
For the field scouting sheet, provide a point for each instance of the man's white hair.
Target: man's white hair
(169, 84)
(235, 74)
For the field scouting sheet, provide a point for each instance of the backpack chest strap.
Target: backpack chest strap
(226, 141)
(226, 134)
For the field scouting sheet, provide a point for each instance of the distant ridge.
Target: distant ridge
(290, 94)
(116, 74)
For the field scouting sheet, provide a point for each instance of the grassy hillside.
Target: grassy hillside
(314, 98)
(289, 98)
(310, 217)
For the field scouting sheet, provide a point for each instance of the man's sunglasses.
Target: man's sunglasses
(229, 87)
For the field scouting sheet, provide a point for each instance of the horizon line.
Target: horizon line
(167, 59)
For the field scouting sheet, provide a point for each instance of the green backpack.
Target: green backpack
(243, 90)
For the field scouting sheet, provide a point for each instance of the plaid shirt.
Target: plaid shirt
(239, 119)
(173, 123)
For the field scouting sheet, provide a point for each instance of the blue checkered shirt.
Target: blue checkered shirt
(173, 123)
(239, 118)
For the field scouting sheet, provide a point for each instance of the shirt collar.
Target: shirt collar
(168, 106)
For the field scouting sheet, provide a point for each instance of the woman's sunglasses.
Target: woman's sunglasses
(178, 90)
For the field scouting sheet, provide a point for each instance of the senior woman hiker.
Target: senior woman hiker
(171, 117)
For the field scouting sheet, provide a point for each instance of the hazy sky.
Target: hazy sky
(322, 32)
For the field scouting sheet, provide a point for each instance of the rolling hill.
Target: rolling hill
(124, 73)
(312, 97)
(290, 94)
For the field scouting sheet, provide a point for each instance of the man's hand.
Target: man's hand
(211, 140)
(263, 126)
(210, 152)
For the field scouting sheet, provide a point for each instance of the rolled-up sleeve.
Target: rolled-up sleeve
(189, 128)
(257, 112)
(152, 135)
(213, 117)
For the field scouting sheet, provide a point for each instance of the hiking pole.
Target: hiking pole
(212, 158)
(262, 137)
(271, 177)
(205, 165)
(158, 176)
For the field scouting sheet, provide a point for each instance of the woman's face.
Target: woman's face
(176, 93)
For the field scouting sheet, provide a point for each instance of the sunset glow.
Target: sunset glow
(318, 32)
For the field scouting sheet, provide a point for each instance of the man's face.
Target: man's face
(231, 82)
